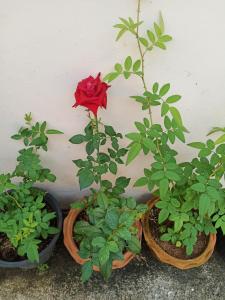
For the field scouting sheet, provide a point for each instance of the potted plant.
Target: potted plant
(102, 232)
(30, 218)
(188, 202)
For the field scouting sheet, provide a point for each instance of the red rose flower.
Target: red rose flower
(91, 93)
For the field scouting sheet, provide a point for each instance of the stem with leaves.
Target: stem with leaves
(142, 54)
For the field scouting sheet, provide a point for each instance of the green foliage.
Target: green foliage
(155, 37)
(35, 136)
(24, 218)
(107, 231)
(192, 197)
(97, 162)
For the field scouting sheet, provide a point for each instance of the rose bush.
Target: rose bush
(91, 93)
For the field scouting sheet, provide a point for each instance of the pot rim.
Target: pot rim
(73, 248)
(163, 256)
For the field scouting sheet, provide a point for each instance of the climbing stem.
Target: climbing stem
(142, 54)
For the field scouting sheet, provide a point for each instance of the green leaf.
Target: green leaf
(126, 74)
(121, 32)
(124, 233)
(90, 147)
(106, 269)
(164, 109)
(53, 131)
(163, 215)
(157, 30)
(109, 130)
(160, 45)
(51, 177)
(220, 140)
(197, 145)
(128, 63)
(151, 36)
(111, 76)
(149, 144)
(166, 237)
(204, 204)
(134, 136)
(131, 203)
(77, 139)
(98, 242)
(172, 175)
(198, 187)
(167, 122)
(163, 187)
(86, 270)
(102, 200)
(103, 255)
(141, 182)
(134, 245)
(146, 122)
(86, 178)
(113, 247)
(113, 167)
(122, 181)
(164, 90)
(165, 38)
(136, 65)
(16, 137)
(158, 175)
(204, 152)
(133, 152)
(112, 218)
(161, 23)
(155, 87)
(118, 68)
(32, 251)
(171, 136)
(221, 149)
(143, 41)
(179, 133)
(173, 99)
(176, 115)
(140, 126)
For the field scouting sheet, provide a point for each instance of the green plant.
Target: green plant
(191, 194)
(24, 218)
(107, 227)
(107, 231)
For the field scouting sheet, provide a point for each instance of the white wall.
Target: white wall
(47, 46)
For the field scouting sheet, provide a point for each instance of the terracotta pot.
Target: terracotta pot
(164, 257)
(68, 230)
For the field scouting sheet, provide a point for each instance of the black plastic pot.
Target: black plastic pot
(45, 254)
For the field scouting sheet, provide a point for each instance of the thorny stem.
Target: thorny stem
(98, 148)
(142, 57)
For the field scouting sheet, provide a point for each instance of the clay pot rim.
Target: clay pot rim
(167, 258)
(73, 249)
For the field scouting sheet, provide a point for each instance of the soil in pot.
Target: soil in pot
(168, 247)
(9, 253)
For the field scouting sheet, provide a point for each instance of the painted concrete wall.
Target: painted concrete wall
(47, 46)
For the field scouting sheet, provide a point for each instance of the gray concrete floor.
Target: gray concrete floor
(143, 278)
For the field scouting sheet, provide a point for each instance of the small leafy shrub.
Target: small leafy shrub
(108, 231)
(24, 218)
(106, 227)
(192, 197)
